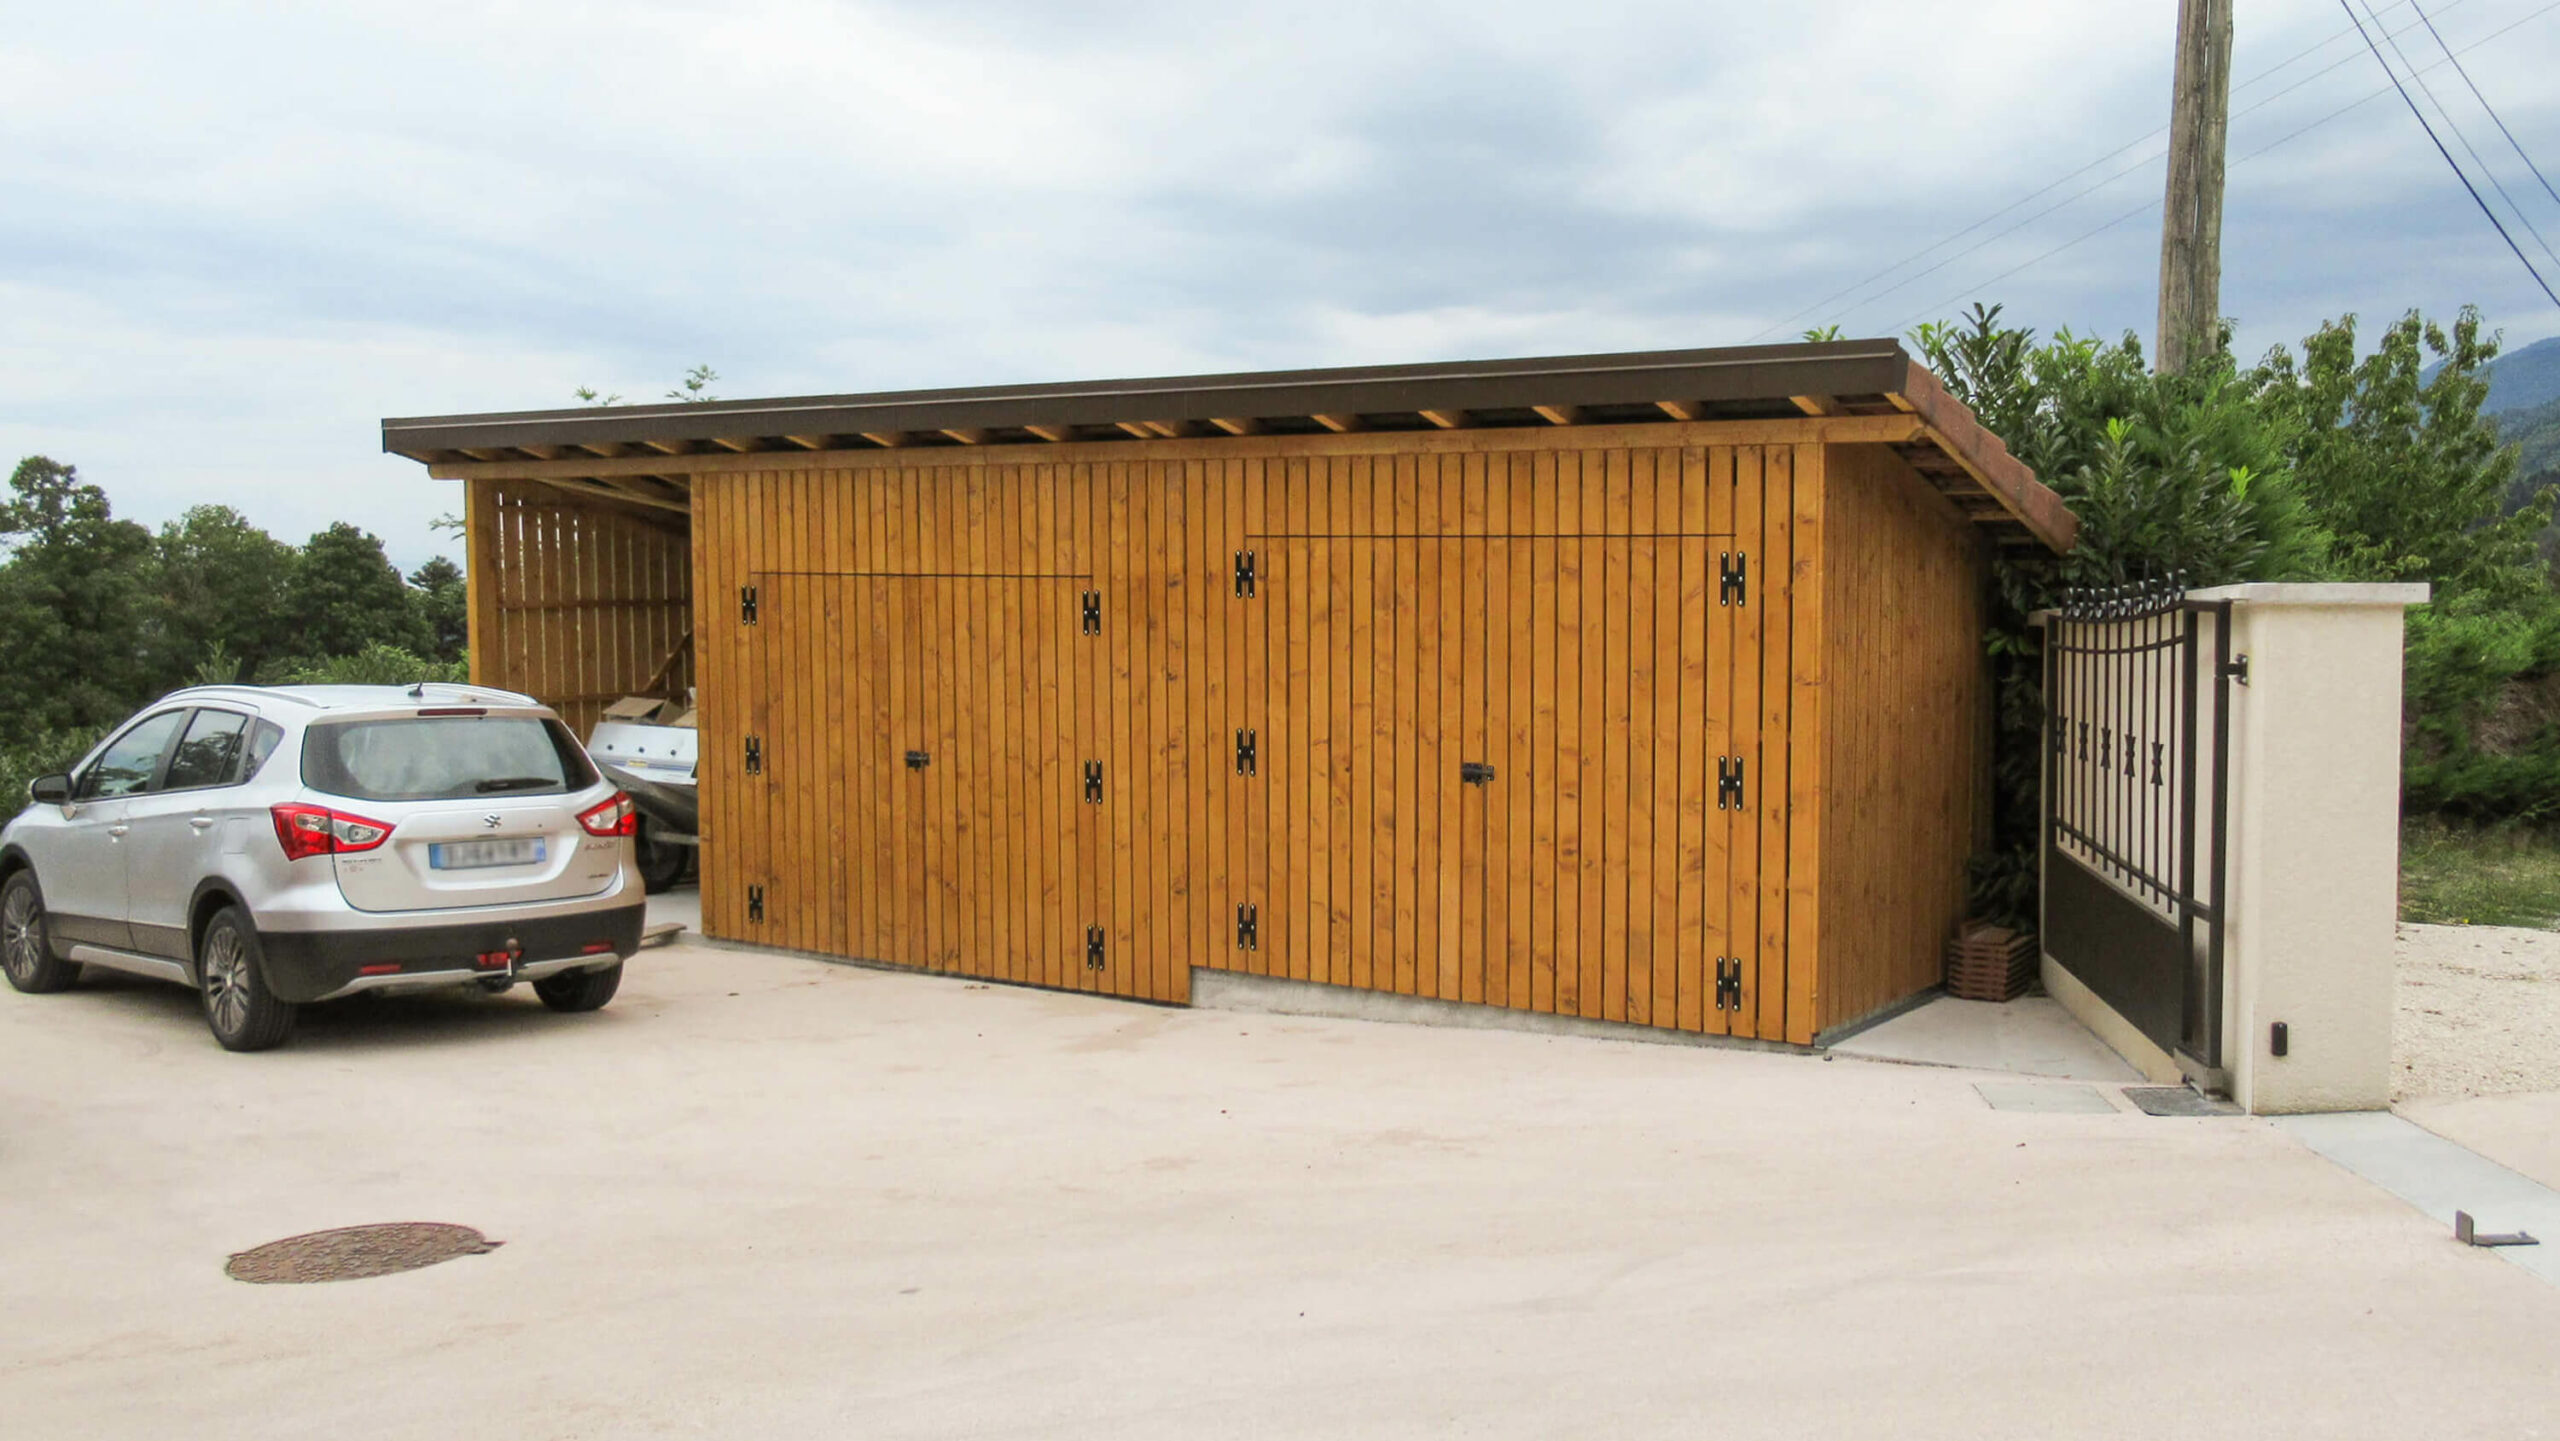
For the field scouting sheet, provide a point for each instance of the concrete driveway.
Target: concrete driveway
(768, 1197)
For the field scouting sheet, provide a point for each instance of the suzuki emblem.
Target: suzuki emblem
(492, 822)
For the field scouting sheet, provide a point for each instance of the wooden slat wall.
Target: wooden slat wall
(1606, 663)
(575, 604)
(935, 608)
(1902, 752)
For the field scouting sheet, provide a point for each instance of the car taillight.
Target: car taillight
(307, 831)
(614, 818)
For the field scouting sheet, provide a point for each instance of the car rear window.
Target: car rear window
(436, 758)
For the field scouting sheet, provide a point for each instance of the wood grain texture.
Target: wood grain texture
(574, 603)
(1549, 606)
(1904, 682)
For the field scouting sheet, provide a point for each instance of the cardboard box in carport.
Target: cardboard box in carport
(636, 710)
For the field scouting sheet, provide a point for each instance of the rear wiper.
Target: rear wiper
(515, 783)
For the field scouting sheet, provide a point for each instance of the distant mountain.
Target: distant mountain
(2536, 433)
(2524, 379)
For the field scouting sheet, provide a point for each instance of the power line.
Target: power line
(2421, 115)
(2052, 186)
(2455, 126)
(2458, 69)
(2377, 93)
(2148, 206)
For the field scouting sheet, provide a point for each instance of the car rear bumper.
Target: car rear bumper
(322, 965)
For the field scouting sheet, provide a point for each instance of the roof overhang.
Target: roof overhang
(1840, 380)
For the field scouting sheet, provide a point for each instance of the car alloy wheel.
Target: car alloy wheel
(21, 933)
(226, 980)
(26, 958)
(244, 1014)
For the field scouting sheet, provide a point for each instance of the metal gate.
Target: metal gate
(2136, 785)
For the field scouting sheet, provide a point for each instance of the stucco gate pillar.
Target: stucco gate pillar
(2315, 843)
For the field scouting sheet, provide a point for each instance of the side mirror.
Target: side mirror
(50, 790)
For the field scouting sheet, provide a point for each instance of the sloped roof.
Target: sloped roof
(1849, 378)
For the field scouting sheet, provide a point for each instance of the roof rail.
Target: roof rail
(250, 692)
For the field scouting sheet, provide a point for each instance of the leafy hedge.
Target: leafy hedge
(2332, 466)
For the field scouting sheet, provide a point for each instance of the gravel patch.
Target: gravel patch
(2479, 1012)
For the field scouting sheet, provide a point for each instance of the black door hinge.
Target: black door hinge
(2237, 668)
(1092, 602)
(746, 605)
(1244, 574)
(1735, 589)
(1729, 783)
(1093, 948)
(1248, 762)
(1093, 783)
(1728, 983)
(1248, 928)
(755, 755)
(755, 903)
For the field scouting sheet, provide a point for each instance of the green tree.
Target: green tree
(73, 605)
(346, 595)
(374, 665)
(2408, 476)
(443, 607)
(694, 389)
(220, 587)
(2171, 475)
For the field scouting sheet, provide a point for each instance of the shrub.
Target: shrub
(376, 664)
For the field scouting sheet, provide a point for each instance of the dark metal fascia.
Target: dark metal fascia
(1772, 373)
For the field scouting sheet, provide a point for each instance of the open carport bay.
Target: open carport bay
(764, 1196)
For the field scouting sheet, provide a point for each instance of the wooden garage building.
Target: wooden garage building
(1646, 688)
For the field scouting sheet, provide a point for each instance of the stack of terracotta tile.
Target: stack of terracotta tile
(1990, 963)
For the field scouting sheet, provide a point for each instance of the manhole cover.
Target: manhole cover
(355, 1252)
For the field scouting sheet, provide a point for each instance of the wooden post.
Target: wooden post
(2191, 220)
(481, 517)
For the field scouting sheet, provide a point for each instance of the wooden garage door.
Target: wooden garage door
(919, 796)
(1487, 771)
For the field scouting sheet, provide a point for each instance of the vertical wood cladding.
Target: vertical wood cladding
(1904, 752)
(574, 603)
(953, 649)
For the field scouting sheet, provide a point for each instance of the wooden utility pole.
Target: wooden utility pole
(2191, 223)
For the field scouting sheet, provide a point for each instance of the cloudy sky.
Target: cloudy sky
(236, 236)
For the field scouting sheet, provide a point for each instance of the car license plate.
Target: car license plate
(470, 855)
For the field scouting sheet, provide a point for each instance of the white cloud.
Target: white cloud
(240, 234)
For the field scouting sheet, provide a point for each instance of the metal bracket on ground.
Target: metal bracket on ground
(2468, 1233)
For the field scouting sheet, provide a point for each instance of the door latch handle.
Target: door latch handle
(200, 822)
(118, 830)
(918, 760)
(1475, 773)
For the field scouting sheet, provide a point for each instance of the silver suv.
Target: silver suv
(272, 846)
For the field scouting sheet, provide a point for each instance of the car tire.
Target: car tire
(661, 864)
(572, 991)
(243, 1014)
(26, 953)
